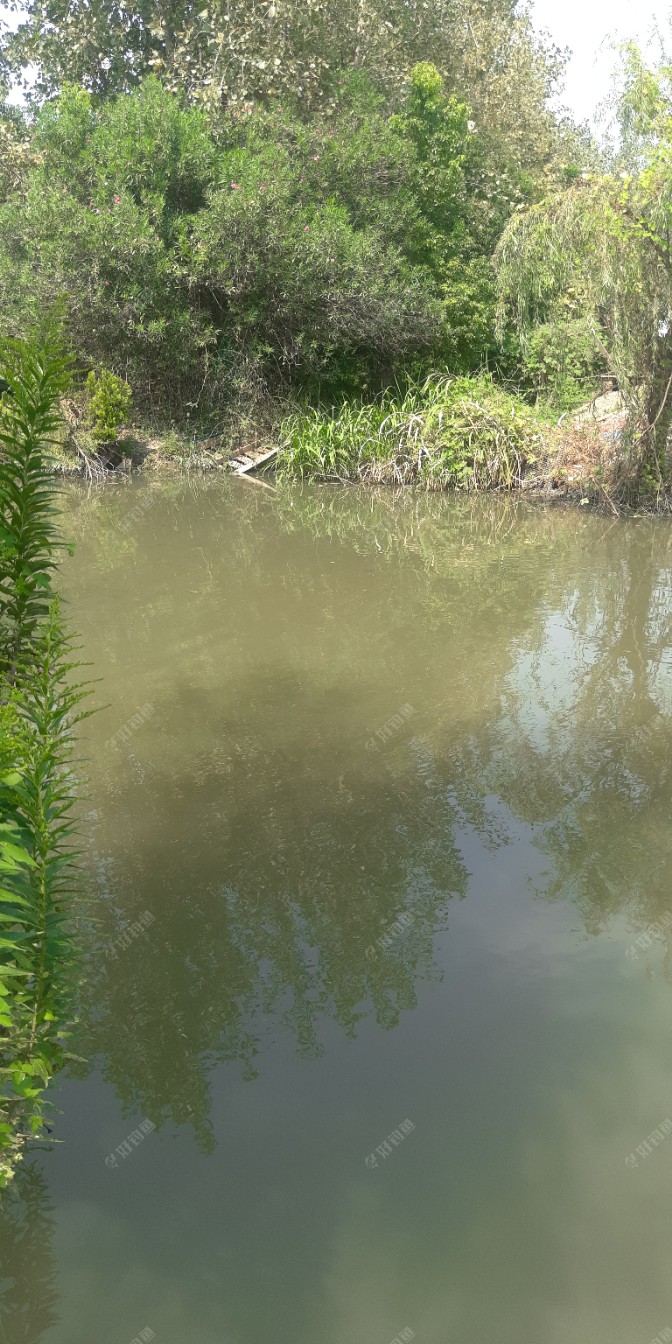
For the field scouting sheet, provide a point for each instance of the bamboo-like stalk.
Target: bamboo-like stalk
(38, 706)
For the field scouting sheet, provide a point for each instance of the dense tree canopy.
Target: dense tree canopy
(271, 195)
(226, 54)
(260, 194)
(194, 253)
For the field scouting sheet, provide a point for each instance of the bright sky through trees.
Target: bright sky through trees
(588, 28)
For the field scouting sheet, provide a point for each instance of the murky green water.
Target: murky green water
(379, 806)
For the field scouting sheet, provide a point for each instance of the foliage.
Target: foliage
(469, 315)
(109, 403)
(36, 960)
(332, 252)
(461, 433)
(642, 108)
(16, 154)
(35, 379)
(263, 200)
(562, 360)
(600, 249)
(37, 703)
(253, 51)
(439, 128)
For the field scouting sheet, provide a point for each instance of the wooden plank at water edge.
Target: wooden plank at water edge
(244, 462)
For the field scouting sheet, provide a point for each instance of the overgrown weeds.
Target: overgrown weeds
(458, 433)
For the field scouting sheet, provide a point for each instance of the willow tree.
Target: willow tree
(601, 249)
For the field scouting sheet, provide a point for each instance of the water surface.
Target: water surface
(379, 806)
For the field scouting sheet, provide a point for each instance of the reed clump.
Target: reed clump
(445, 433)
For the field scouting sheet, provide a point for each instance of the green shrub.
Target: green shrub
(477, 436)
(109, 403)
(305, 294)
(562, 361)
(331, 254)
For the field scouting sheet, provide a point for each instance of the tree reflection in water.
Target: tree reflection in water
(271, 847)
(28, 1292)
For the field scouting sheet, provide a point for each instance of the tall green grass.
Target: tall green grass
(462, 433)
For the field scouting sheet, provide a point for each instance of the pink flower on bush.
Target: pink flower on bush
(316, 157)
(306, 228)
(117, 200)
(107, 282)
(235, 186)
(263, 186)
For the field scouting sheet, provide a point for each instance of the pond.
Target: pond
(376, 1021)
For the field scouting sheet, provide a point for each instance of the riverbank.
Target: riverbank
(448, 434)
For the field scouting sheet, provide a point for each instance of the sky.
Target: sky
(587, 27)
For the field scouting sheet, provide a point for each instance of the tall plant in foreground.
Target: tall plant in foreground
(38, 704)
(35, 379)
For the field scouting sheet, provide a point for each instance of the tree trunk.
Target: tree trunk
(657, 417)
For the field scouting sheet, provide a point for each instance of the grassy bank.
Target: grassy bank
(470, 434)
(443, 433)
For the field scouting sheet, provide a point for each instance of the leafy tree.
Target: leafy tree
(16, 156)
(191, 260)
(601, 250)
(105, 46)
(263, 51)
